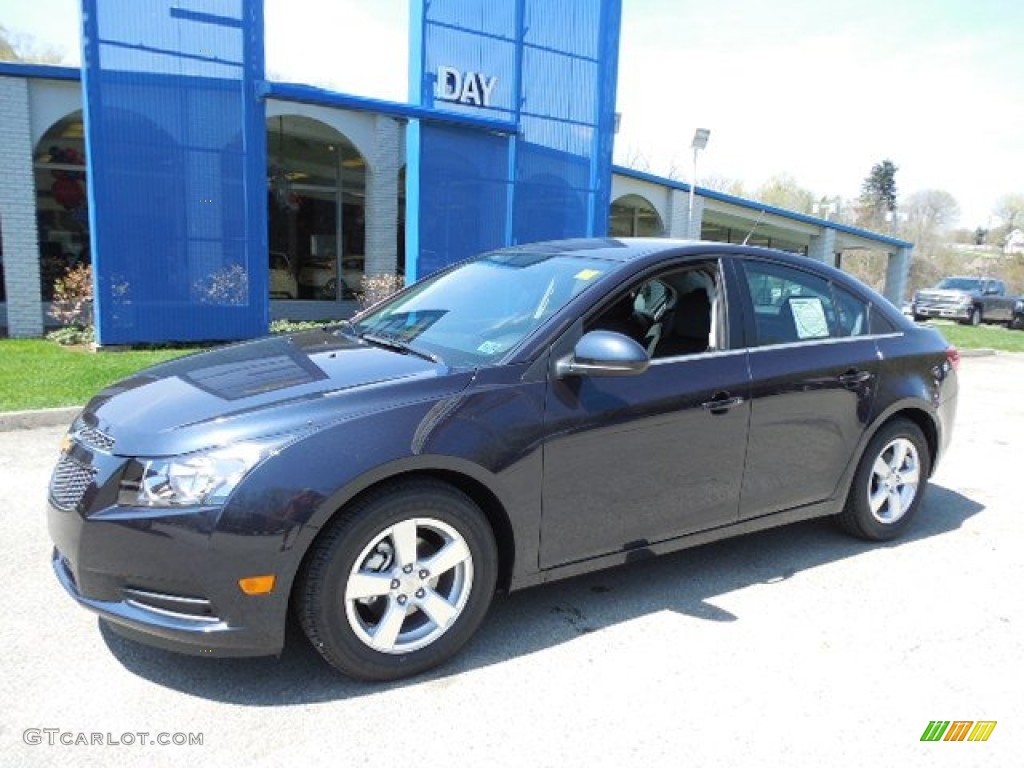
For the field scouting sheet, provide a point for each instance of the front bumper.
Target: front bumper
(165, 577)
(163, 628)
(959, 312)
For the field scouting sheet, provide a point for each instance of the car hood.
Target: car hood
(273, 386)
(938, 294)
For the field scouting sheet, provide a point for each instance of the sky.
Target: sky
(819, 90)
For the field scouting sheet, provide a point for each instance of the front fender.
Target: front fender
(489, 435)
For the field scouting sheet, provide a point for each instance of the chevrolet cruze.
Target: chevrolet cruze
(526, 415)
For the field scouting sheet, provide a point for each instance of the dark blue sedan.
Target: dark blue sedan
(527, 415)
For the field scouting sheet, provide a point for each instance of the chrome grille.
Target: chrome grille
(68, 483)
(95, 439)
(941, 303)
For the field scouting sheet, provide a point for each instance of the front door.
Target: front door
(635, 460)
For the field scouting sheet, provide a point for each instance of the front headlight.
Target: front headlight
(966, 300)
(204, 478)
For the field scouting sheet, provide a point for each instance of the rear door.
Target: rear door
(814, 370)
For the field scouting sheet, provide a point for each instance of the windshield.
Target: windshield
(476, 313)
(960, 284)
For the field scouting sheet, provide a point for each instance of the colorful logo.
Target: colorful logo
(958, 730)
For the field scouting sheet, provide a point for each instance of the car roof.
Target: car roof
(633, 249)
(640, 252)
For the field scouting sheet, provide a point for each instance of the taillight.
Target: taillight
(953, 356)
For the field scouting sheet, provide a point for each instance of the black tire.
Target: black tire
(355, 550)
(872, 513)
(974, 318)
(1016, 323)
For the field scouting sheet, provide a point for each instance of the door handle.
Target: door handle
(852, 378)
(721, 403)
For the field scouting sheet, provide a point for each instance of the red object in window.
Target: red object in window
(68, 193)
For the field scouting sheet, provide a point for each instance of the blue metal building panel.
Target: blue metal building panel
(178, 199)
(550, 68)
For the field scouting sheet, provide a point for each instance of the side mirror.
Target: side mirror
(604, 353)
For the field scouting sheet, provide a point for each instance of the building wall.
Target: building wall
(382, 198)
(18, 211)
(29, 106)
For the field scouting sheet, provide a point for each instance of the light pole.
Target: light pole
(700, 140)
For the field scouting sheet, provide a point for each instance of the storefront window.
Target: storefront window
(316, 188)
(634, 216)
(62, 203)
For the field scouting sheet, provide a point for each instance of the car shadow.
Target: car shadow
(536, 619)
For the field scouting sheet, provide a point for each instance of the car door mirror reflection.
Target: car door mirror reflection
(604, 353)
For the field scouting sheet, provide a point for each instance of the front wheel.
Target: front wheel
(400, 582)
(889, 483)
(974, 318)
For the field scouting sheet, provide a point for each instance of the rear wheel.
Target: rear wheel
(400, 582)
(889, 483)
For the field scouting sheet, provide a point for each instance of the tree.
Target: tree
(633, 157)
(931, 214)
(724, 184)
(783, 192)
(1010, 212)
(17, 47)
(878, 193)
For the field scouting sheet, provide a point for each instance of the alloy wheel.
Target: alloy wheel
(893, 481)
(408, 585)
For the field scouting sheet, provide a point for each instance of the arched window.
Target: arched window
(316, 198)
(634, 216)
(62, 203)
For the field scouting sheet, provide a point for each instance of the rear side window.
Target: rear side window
(851, 313)
(880, 324)
(792, 306)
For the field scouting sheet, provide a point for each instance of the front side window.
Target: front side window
(478, 312)
(674, 313)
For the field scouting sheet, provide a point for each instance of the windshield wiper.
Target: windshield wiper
(397, 344)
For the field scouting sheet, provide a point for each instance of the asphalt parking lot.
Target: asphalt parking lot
(795, 647)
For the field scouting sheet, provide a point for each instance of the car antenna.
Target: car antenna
(760, 215)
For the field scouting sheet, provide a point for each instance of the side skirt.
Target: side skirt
(635, 554)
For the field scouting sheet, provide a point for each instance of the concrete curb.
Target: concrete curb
(47, 417)
(978, 352)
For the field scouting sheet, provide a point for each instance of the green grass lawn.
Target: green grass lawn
(36, 373)
(996, 337)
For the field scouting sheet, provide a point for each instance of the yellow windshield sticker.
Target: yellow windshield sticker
(587, 274)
